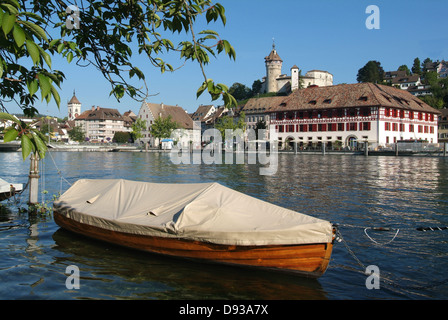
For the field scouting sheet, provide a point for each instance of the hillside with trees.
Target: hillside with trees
(373, 72)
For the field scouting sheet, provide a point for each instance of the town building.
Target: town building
(256, 109)
(441, 67)
(348, 114)
(204, 114)
(400, 79)
(149, 112)
(129, 117)
(443, 125)
(277, 82)
(100, 124)
(420, 90)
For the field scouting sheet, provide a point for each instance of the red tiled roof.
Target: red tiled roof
(177, 114)
(352, 95)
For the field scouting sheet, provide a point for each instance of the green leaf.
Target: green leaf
(56, 96)
(7, 116)
(19, 35)
(60, 47)
(33, 51)
(201, 89)
(35, 29)
(70, 57)
(44, 84)
(33, 86)
(46, 57)
(40, 144)
(27, 146)
(8, 22)
(10, 135)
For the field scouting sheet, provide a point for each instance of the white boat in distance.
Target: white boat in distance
(7, 190)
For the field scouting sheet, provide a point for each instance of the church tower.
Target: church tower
(273, 70)
(74, 107)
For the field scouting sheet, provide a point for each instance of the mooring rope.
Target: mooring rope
(59, 173)
(340, 238)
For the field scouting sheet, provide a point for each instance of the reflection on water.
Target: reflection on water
(128, 274)
(353, 191)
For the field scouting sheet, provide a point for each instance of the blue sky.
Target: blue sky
(321, 34)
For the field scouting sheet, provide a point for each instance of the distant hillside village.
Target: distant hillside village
(305, 110)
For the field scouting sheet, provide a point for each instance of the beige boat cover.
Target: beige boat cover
(207, 212)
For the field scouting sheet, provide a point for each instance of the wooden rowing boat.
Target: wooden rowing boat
(280, 253)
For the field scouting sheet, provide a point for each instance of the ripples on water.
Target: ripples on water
(352, 191)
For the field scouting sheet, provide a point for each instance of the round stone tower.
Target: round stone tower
(273, 70)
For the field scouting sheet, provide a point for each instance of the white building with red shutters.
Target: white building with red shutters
(348, 114)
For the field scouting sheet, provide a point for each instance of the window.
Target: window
(352, 126)
(341, 113)
(420, 129)
(420, 116)
(394, 113)
(411, 115)
(426, 129)
(432, 117)
(402, 114)
(322, 127)
(411, 128)
(387, 126)
(340, 127)
(303, 128)
(365, 112)
(290, 128)
(352, 112)
(431, 129)
(394, 127)
(401, 127)
(327, 101)
(387, 112)
(365, 126)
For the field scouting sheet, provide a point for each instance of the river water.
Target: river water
(356, 192)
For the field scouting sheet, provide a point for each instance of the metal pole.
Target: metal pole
(34, 178)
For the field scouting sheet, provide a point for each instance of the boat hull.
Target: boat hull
(309, 260)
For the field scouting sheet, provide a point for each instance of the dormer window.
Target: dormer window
(312, 102)
(327, 101)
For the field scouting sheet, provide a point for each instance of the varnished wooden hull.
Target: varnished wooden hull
(310, 259)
